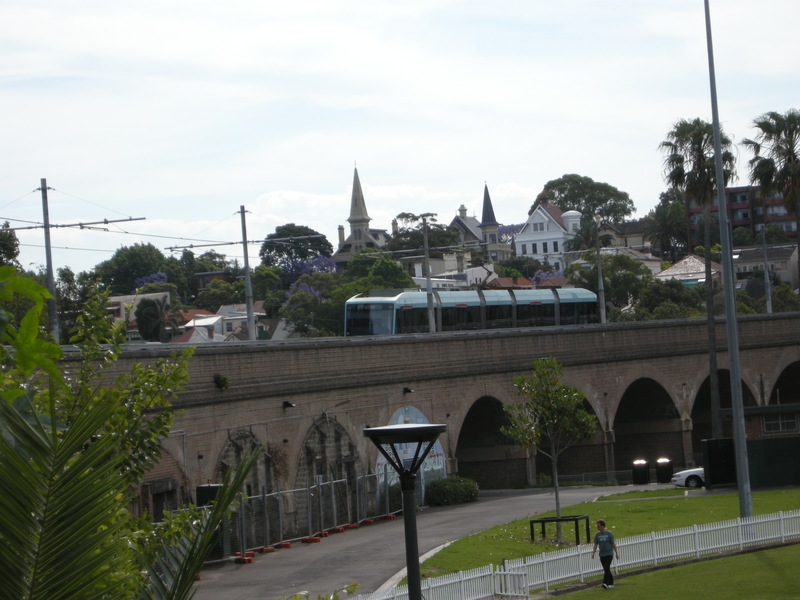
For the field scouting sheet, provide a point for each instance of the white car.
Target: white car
(690, 478)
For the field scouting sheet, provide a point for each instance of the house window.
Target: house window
(228, 326)
(544, 247)
(780, 423)
(539, 227)
(555, 246)
(533, 248)
(524, 248)
(759, 210)
(492, 238)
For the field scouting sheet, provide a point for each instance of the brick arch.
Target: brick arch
(328, 450)
(240, 441)
(787, 386)
(786, 359)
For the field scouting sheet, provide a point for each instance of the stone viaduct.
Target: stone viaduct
(306, 402)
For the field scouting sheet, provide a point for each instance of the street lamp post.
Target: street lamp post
(601, 294)
(386, 439)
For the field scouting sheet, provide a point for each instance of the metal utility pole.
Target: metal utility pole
(739, 436)
(767, 282)
(601, 293)
(52, 308)
(248, 288)
(428, 287)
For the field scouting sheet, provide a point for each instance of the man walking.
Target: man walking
(604, 540)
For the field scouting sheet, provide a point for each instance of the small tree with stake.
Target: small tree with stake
(550, 418)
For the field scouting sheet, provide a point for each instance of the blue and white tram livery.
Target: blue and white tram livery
(407, 311)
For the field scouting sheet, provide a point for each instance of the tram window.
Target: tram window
(567, 314)
(498, 317)
(545, 314)
(412, 320)
(369, 319)
(458, 318)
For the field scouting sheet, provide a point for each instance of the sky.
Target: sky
(182, 111)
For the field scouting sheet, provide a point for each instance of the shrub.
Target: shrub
(453, 490)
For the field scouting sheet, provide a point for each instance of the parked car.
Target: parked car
(690, 478)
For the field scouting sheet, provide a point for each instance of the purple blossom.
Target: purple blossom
(154, 278)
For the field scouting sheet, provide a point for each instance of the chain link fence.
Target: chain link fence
(303, 514)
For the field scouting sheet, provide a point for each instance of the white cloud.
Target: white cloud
(183, 111)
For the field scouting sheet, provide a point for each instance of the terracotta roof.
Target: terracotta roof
(510, 282)
(553, 282)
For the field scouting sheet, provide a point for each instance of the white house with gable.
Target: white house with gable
(547, 232)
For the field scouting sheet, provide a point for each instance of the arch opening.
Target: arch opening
(484, 453)
(584, 461)
(787, 388)
(701, 411)
(647, 425)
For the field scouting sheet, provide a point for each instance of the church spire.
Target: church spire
(487, 218)
(358, 208)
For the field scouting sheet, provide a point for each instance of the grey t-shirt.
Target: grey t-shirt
(604, 541)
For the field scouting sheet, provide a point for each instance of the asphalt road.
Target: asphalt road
(374, 553)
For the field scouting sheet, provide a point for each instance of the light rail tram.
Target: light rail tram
(395, 312)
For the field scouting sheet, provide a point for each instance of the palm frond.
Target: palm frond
(62, 507)
(173, 574)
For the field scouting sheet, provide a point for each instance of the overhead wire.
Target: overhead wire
(87, 201)
(20, 198)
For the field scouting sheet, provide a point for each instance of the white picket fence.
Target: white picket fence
(518, 577)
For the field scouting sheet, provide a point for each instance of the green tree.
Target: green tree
(588, 197)
(690, 166)
(774, 234)
(624, 278)
(665, 228)
(521, 264)
(151, 314)
(120, 272)
(265, 280)
(551, 417)
(73, 451)
(292, 242)
(742, 237)
(671, 291)
(775, 166)
(9, 246)
(409, 235)
(72, 294)
(783, 300)
(219, 292)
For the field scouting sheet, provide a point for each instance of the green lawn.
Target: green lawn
(623, 518)
(650, 494)
(767, 574)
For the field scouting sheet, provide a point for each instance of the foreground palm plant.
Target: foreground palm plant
(72, 451)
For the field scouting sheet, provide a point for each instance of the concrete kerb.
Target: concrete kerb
(395, 579)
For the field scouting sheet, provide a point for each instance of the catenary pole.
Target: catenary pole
(52, 309)
(428, 286)
(739, 437)
(248, 287)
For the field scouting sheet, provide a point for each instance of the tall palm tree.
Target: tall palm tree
(776, 164)
(664, 227)
(690, 166)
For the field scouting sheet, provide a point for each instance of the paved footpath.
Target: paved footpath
(372, 554)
